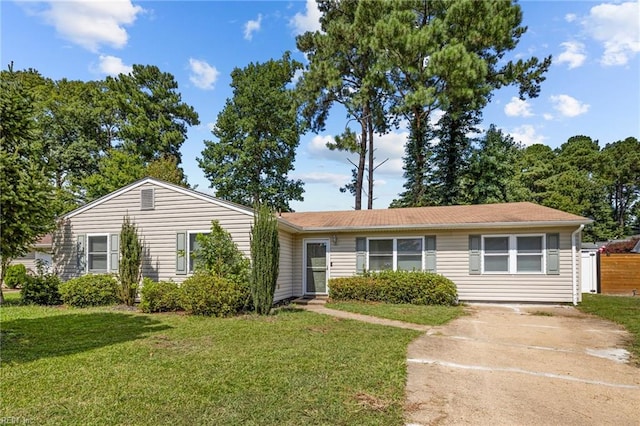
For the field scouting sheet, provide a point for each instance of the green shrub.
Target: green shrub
(163, 296)
(15, 276)
(206, 294)
(265, 252)
(90, 290)
(417, 288)
(42, 289)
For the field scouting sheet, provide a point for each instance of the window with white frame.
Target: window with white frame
(395, 254)
(513, 254)
(192, 249)
(97, 253)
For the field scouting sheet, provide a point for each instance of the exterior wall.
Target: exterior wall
(29, 261)
(452, 261)
(284, 286)
(174, 212)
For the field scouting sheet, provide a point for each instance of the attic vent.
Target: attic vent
(147, 201)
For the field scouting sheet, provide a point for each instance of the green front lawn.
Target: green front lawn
(624, 310)
(417, 314)
(112, 366)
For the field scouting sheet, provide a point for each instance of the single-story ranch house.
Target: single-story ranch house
(496, 252)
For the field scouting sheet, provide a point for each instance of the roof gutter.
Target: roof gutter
(574, 267)
(539, 224)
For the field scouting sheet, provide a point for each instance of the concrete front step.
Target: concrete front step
(310, 300)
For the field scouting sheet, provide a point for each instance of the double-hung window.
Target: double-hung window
(513, 254)
(193, 247)
(98, 253)
(395, 254)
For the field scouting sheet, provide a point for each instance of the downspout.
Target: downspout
(574, 267)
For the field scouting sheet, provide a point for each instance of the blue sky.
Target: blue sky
(592, 88)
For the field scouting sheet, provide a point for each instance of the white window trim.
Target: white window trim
(108, 253)
(395, 250)
(188, 254)
(513, 254)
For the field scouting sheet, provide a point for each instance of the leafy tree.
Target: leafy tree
(258, 131)
(533, 166)
(342, 70)
(130, 265)
(166, 168)
(220, 256)
(265, 253)
(26, 203)
(145, 113)
(620, 172)
(491, 168)
(115, 170)
(449, 56)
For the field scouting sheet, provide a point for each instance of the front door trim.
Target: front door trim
(305, 241)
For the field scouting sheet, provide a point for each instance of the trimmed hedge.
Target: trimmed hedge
(416, 288)
(90, 290)
(163, 296)
(206, 294)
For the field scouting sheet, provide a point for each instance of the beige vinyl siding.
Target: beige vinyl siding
(284, 286)
(452, 261)
(174, 212)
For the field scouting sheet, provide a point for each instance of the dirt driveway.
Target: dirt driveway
(522, 365)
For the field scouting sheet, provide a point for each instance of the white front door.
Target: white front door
(316, 266)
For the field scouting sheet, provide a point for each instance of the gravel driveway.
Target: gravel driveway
(522, 365)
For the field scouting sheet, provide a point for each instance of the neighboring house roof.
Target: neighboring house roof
(186, 191)
(636, 248)
(46, 241)
(471, 216)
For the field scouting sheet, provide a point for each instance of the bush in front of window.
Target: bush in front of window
(163, 296)
(416, 288)
(42, 289)
(207, 294)
(15, 276)
(90, 290)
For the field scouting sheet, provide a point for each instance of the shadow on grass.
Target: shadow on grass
(24, 340)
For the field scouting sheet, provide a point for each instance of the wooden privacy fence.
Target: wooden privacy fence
(620, 273)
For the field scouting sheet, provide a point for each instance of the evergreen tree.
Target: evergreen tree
(130, 263)
(265, 252)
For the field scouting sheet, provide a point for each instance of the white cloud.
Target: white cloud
(570, 17)
(573, 54)
(518, 108)
(334, 179)
(526, 135)
(112, 65)
(203, 75)
(91, 24)
(547, 116)
(309, 21)
(568, 106)
(251, 27)
(616, 27)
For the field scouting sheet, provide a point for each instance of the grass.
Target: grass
(624, 310)
(110, 366)
(417, 314)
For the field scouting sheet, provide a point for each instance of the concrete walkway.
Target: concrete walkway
(320, 309)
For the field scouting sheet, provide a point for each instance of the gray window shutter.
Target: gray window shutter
(114, 251)
(430, 253)
(474, 255)
(361, 255)
(181, 253)
(553, 254)
(81, 256)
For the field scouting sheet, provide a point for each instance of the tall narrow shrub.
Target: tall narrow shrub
(265, 253)
(130, 266)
